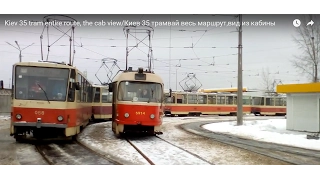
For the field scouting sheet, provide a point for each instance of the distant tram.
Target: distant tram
(269, 106)
(198, 103)
(137, 104)
(102, 103)
(49, 100)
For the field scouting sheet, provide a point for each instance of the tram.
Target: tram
(102, 103)
(49, 100)
(137, 104)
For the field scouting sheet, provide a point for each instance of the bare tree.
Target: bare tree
(267, 82)
(308, 41)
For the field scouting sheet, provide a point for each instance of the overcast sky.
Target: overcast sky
(263, 47)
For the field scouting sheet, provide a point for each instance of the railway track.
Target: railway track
(292, 155)
(158, 151)
(72, 153)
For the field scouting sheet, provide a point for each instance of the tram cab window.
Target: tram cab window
(40, 83)
(136, 91)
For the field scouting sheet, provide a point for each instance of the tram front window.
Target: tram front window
(140, 91)
(39, 83)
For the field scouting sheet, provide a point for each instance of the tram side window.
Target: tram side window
(79, 95)
(235, 100)
(192, 99)
(284, 101)
(106, 96)
(256, 100)
(168, 100)
(182, 99)
(221, 100)
(268, 102)
(97, 95)
(202, 99)
(71, 91)
(109, 98)
(278, 102)
(229, 99)
(211, 99)
(85, 94)
(246, 101)
(272, 101)
(262, 101)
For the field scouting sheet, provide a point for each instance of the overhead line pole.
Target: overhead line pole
(240, 89)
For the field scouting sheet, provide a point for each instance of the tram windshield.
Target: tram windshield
(40, 83)
(140, 91)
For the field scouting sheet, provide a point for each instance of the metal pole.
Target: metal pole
(20, 57)
(170, 56)
(176, 78)
(239, 95)
(19, 49)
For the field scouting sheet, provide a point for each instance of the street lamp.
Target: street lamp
(20, 50)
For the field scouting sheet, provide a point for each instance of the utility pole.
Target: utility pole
(176, 78)
(239, 105)
(20, 50)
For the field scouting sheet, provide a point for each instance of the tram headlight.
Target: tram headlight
(126, 115)
(152, 116)
(18, 116)
(60, 118)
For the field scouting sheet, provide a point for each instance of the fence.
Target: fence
(5, 101)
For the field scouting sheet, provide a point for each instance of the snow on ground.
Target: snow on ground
(213, 151)
(271, 130)
(99, 137)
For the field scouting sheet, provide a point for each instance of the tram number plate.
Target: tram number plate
(39, 112)
(140, 113)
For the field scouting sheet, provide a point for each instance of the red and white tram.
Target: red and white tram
(49, 100)
(137, 104)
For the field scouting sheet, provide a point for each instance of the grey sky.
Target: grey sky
(263, 46)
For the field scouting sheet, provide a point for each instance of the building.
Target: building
(5, 101)
(303, 106)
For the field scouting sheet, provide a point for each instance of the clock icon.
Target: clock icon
(296, 23)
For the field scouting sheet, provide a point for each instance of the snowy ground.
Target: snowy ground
(271, 130)
(100, 138)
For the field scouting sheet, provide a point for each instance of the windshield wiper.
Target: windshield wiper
(150, 96)
(44, 93)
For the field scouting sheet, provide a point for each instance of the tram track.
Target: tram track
(71, 153)
(292, 155)
(158, 151)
